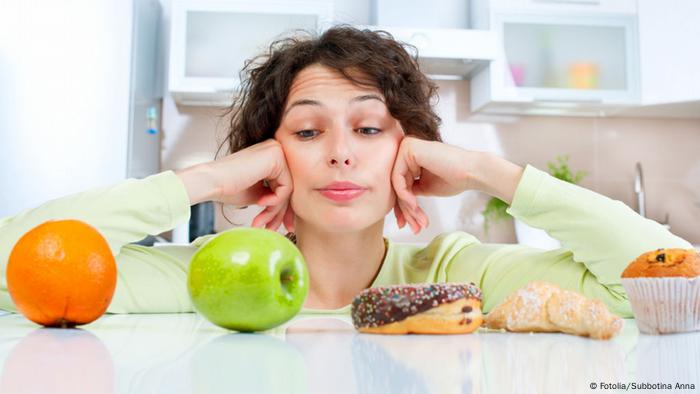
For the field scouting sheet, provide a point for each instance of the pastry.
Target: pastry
(426, 308)
(665, 263)
(663, 287)
(545, 307)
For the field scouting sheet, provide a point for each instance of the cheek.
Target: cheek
(381, 164)
(388, 155)
(303, 167)
(298, 159)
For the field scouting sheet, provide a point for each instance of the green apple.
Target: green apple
(248, 279)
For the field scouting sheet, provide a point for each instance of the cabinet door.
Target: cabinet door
(560, 64)
(564, 7)
(569, 58)
(670, 53)
(210, 41)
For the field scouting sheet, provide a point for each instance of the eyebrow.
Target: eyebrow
(360, 98)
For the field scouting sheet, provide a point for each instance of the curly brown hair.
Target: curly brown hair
(365, 57)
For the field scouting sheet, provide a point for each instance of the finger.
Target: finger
(417, 187)
(404, 175)
(410, 214)
(415, 226)
(272, 199)
(268, 199)
(288, 218)
(398, 176)
(284, 188)
(411, 185)
(281, 188)
(279, 198)
(281, 182)
(421, 216)
(420, 220)
(285, 216)
(262, 218)
(276, 192)
(400, 219)
(401, 179)
(279, 216)
(259, 220)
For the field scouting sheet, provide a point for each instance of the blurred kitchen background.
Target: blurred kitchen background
(93, 92)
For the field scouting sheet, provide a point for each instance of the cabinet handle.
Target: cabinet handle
(570, 100)
(597, 2)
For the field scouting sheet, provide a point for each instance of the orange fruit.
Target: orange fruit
(62, 274)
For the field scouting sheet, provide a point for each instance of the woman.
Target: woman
(329, 135)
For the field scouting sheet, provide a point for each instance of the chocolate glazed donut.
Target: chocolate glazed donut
(425, 308)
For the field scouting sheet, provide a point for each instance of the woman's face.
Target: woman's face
(335, 131)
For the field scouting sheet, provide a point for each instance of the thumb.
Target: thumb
(278, 192)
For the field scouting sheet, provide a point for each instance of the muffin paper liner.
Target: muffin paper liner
(664, 305)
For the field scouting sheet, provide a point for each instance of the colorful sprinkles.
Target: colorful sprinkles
(377, 306)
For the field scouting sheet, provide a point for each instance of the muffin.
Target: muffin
(663, 287)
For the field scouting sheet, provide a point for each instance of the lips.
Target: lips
(342, 191)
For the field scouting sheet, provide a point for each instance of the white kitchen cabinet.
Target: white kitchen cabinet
(561, 7)
(446, 53)
(670, 59)
(556, 59)
(210, 41)
(670, 51)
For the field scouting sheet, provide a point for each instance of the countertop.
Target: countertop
(184, 353)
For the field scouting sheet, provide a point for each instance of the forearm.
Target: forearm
(123, 213)
(496, 176)
(603, 234)
(199, 182)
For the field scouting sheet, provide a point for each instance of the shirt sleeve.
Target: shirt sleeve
(599, 238)
(150, 279)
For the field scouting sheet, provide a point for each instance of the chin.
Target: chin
(342, 219)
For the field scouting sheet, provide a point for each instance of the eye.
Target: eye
(369, 130)
(306, 134)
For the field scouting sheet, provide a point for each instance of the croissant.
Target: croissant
(545, 307)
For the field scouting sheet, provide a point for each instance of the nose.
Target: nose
(340, 151)
(333, 162)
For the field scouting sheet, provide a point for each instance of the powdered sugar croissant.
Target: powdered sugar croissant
(545, 307)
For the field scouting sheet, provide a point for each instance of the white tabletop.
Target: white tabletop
(183, 353)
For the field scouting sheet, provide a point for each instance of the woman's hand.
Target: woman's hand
(432, 168)
(255, 175)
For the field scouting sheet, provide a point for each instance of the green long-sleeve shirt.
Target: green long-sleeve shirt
(599, 237)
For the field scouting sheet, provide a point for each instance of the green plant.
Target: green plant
(494, 211)
(561, 170)
(495, 208)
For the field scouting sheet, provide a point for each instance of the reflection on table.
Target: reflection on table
(183, 353)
